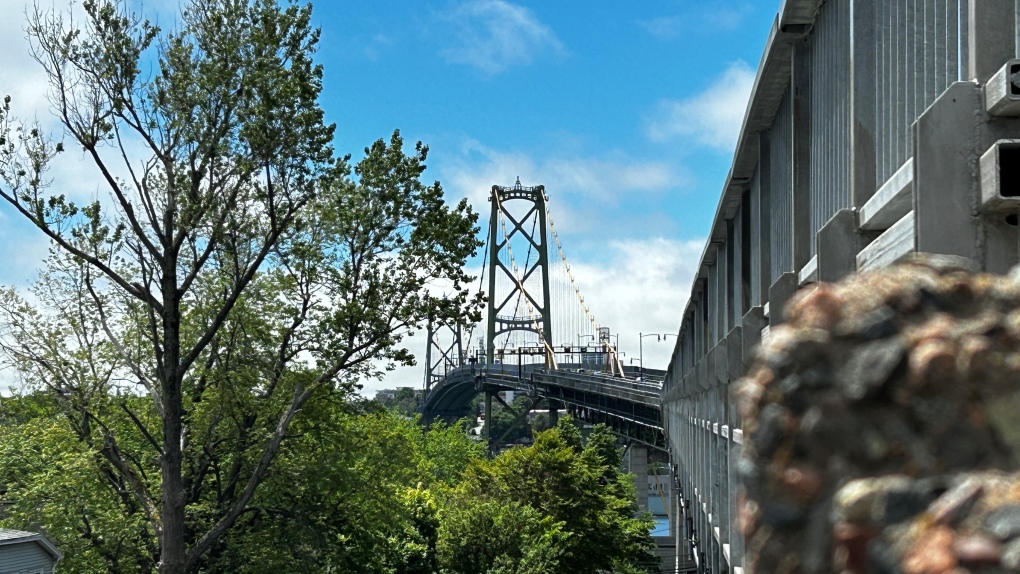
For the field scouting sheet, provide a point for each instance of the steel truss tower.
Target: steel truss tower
(499, 320)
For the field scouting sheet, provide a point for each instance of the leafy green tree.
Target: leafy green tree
(240, 272)
(506, 424)
(352, 490)
(481, 536)
(445, 451)
(558, 490)
(404, 401)
(52, 480)
(541, 423)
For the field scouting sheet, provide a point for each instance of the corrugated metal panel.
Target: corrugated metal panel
(919, 45)
(780, 189)
(829, 97)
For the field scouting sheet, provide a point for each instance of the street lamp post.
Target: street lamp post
(641, 351)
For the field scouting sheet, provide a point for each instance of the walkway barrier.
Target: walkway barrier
(875, 129)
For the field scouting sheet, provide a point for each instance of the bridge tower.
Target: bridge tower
(443, 354)
(539, 320)
(503, 308)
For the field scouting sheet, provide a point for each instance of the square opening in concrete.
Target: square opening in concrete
(1009, 170)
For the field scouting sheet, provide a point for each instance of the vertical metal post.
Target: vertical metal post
(641, 355)
(428, 358)
(490, 323)
(461, 358)
(543, 261)
(762, 214)
(863, 181)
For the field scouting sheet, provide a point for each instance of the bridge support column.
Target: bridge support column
(637, 464)
(554, 412)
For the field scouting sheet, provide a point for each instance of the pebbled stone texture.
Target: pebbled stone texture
(868, 415)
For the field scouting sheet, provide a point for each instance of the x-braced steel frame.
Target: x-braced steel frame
(498, 323)
(441, 358)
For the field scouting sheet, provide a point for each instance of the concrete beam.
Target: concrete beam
(751, 325)
(889, 247)
(735, 353)
(838, 243)
(722, 369)
(891, 202)
(779, 293)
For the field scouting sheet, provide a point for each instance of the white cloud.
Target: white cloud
(713, 20)
(642, 287)
(603, 179)
(492, 35)
(712, 117)
(379, 44)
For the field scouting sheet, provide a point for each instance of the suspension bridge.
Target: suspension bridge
(874, 129)
(541, 339)
(540, 336)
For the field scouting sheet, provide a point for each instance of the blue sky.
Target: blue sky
(626, 112)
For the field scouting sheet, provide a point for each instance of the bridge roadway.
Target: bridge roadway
(630, 406)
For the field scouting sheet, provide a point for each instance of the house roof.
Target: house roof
(20, 536)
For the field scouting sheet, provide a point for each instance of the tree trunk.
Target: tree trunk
(173, 554)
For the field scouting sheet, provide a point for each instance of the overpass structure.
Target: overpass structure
(875, 129)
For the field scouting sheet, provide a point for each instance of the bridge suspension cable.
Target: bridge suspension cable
(617, 364)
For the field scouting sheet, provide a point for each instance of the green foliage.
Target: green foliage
(241, 273)
(480, 535)
(56, 480)
(355, 489)
(351, 490)
(446, 451)
(195, 341)
(404, 401)
(558, 490)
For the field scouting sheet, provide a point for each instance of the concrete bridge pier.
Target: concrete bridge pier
(637, 460)
(637, 464)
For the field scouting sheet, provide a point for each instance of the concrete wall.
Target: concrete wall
(861, 144)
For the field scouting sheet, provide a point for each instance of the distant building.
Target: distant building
(26, 553)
